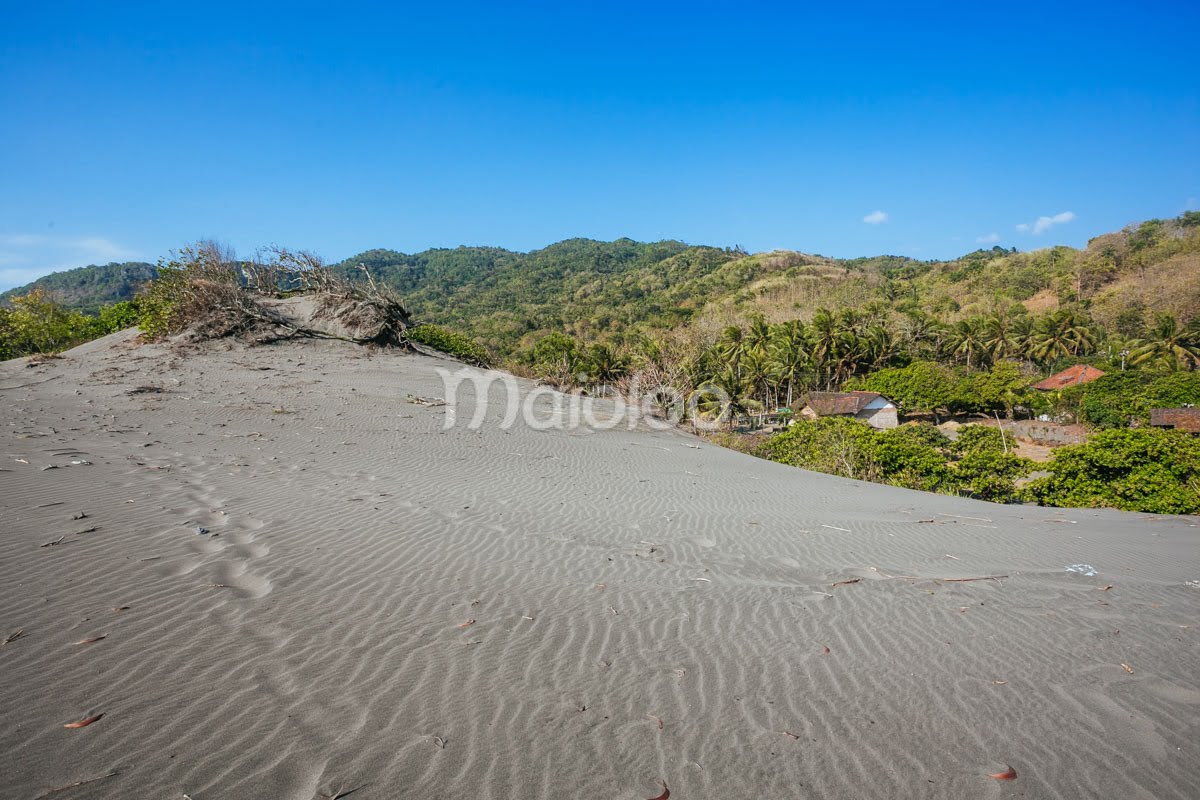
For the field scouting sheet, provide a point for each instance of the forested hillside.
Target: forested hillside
(86, 289)
(582, 287)
(614, 292)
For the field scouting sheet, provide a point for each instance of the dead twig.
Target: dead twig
(12, 637)
(76, 784)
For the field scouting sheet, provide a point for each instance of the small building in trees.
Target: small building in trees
(1071, 376)
(869, 407)
(1180, 419)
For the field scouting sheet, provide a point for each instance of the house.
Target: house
(1071, 376)
(1180, 419)
(870, 407)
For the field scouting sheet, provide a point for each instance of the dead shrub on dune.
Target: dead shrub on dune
(204, 293)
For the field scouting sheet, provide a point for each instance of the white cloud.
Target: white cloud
(19, 277)
(98, 249)
(21, 240)
(991, 238)
(20, 252)
(876, 218)
(1043, 224)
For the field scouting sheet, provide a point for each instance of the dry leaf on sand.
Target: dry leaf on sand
(83, 723)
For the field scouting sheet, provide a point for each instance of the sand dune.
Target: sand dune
(297, 552)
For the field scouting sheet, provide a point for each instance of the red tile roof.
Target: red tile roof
(1071, 376)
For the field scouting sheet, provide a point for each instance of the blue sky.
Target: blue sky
(916, 129)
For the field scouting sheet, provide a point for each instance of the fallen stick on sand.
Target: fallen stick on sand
(56, 541)
(980, 578)
(12, 637)
(23, 385)
(846, 582)
(961, 516)
(425, 401)
(58, 789)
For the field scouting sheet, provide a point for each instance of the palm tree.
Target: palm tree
(1168, 343)
(1001, 332)
(922, 334)
(757, 371)
(731, 346)
(606, 364)
(789, 352)
(878, 347)
(1022, 334)
(758, 337)
(968, 338)
(723, 396)
(825, 337)
(1061, 334)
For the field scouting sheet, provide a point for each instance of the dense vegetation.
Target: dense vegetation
(1136, 470)
(36, 323)
(978, 463)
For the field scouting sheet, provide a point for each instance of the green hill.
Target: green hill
(616, 291)
(87, 288)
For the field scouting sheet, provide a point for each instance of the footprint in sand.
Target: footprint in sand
(220, 541)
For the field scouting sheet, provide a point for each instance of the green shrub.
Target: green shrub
(1121, 398)
(913, 456)
(119, 316)
(836, 445)
(1136, 470)
(449, 342)
(921, 386)
(985, 467)
(37, 323)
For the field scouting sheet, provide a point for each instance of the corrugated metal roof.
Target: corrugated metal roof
(827, 404)
(1181, 419)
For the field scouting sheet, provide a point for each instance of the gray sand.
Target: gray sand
(647, 607)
